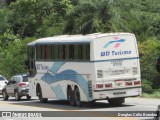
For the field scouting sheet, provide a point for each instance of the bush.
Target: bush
(13, 56)
(149, 50)
(147, 86)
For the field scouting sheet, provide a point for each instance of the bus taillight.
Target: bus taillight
(99, 85)
(108, 85)
(128, 83)
(137, 82)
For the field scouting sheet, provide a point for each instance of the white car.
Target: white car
(3, 82)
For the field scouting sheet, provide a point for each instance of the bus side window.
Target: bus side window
(61, 52)
(67, 52)
(31, 60)
(38, 52)
(71, 51)
(55, 52)
(88, 52)
(85, 52)
(49, 52)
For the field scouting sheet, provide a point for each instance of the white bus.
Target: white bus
(84, 68)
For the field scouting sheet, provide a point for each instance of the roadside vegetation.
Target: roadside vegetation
(22, 21)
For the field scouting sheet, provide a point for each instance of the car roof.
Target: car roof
(23, 74)
(2, 76)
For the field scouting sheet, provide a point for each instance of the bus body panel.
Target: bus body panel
(54, 77)
(117, 67)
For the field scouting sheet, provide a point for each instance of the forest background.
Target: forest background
(22, 21)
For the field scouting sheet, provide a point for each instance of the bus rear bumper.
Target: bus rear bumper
(117, 93)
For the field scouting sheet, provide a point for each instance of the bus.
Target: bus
(84, 68)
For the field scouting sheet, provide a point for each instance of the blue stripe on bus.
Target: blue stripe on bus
(68, 75)
(58, 91)
(56, 67)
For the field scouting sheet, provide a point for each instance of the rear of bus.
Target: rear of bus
(117, 67)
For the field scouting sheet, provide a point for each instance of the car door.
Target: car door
(10, 86)
(13, 85)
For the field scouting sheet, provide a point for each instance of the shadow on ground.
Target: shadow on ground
(63, 104)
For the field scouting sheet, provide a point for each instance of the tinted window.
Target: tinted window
(73, 52)
(1, 78)
(25, 78)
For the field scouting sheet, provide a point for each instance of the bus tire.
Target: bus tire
(71, 97)
(77, 97)
(69, 92)
(39, 93)
(116, 101)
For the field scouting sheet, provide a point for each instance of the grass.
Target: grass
(155, 94)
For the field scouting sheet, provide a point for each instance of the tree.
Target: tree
(137, 16)
(12, 57)
(149, 50)
(28, 16)
(4, 25)
(88, 16)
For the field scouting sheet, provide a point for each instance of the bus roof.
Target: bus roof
(61, 39)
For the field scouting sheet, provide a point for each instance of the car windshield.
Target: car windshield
(2, 78)
(25, 78)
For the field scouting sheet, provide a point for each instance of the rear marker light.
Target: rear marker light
(137, 82)
(128, 83)
(108, 85)
(99, 85)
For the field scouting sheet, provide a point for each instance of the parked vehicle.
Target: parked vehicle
(3, 82)
(17, 87)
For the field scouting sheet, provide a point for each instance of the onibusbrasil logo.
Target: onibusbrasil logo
(117, 42)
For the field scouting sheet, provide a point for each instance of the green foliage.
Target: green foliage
(13, 56)
(88, 16)
(149, 50)
(28, 17)
(146, 86)
(7, 37)
(155, 94)
(4, 25)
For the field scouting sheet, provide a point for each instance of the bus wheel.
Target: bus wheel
(77, 97)
(69, 92)
(116, 101)
(42, 100)
(71, 96)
